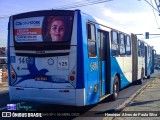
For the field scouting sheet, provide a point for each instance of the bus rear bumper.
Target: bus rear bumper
(73, 97)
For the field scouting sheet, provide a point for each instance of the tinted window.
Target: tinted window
(91, 40)
(142, 49)
(121, 45)
(128, 45)
(115, 48)
(139, 48)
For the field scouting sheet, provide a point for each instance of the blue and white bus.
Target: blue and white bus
(86, 61)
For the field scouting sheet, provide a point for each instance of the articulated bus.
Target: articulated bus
(67, 57)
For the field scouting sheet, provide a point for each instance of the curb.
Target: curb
(126, 102)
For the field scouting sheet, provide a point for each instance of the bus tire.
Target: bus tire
(142, 76)
(148, 77)
(115, 88)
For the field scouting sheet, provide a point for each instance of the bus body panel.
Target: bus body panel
(141, 59)
(42, 67)
(148, 60)
(128, 67)
(91, 73)
(56, 96)
(141, 66)
(117, 68)
(54, 88)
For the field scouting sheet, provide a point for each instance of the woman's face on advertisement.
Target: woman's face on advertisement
(57, 30)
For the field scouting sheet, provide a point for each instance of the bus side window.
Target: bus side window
(139, 48)
(114, 41)
(128, 45)
(91, 36)
(142, 49)
(148, 52)
(121, 44)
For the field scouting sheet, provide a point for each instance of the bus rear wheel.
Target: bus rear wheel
(142, 77)
(148, 77)
(115, 88)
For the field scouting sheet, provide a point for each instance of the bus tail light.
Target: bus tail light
(13, 75)
(72, 76)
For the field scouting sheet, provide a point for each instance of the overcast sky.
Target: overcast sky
(135, 16)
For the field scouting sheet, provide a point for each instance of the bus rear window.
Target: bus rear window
(43, 29)
(42, 33)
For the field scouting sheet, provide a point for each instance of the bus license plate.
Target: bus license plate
(41, 78)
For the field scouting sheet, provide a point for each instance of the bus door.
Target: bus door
(93, 68)
(104, 62)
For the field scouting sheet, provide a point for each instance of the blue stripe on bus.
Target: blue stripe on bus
(8, 53)
(80, 63)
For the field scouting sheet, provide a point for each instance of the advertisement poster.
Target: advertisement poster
(28, 29)
(43, 29)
